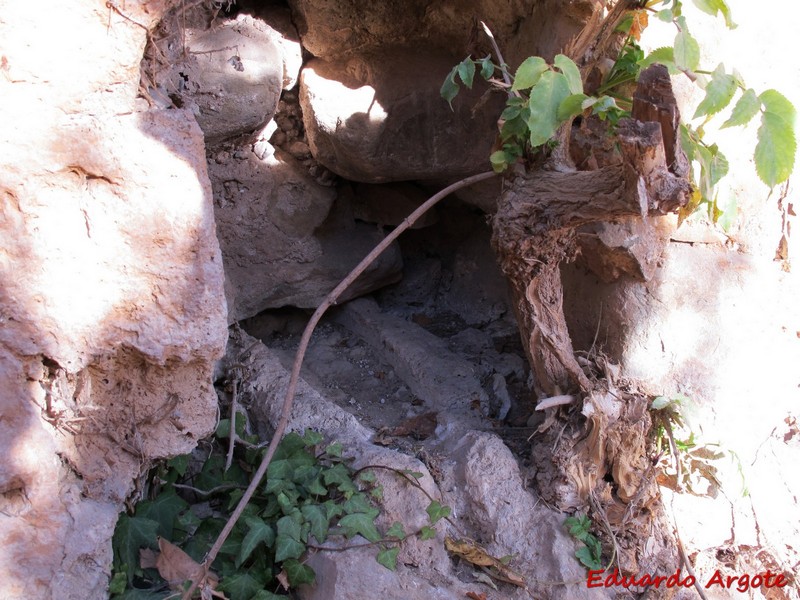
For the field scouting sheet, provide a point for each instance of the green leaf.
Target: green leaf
(240, 586)
(546, 96)
(665, 15)
(775, 150)
(436, 511)
(361, 524)
(339, 476)
(427, 533)
(224, 428)
(266, 595)
(312, 438)
(499, 161)
(179, 463)
(588, 559)
(298, 573)
(258, 532)
(529, 73)
(719, 92)
(118, 583)
(357, 503)
(450, 89)
(744, 110)
(388, 557)
(687, 50)
(466, 70)
(487, 68)
(367, 476)
(712, 7)
(396, 531)
(570, 70)
(286, 547)
(334, 449)
(316, 517)
(660, 403)
(578, 527)
(662, 56)
(164, 509)
(571, 106)
(131, 534)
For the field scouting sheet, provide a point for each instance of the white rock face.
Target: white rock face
(112, 310)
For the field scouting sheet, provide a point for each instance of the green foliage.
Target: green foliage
(310, 494)
(543, 98)
(591, 552)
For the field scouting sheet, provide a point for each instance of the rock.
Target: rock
(277, 246)
(232, 76)
(443, 380)
(381, 118)
(389, 204)
(627, 247)
(111, 296)
(333, 29)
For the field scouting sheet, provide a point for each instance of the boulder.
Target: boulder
(231, 75)
(279, 243)
(380, 118)
(111, 291)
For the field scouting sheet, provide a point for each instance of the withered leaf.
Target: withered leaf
(474, 554)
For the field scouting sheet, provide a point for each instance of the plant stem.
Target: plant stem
(286, 410)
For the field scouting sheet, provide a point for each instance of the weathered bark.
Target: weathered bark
(533, 232)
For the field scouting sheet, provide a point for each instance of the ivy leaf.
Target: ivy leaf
(529, 73)
(335, 449)
(131, 534)
(286, 547)
(570, 70)
(546, 96)
(396, 531)
(224, 428)
(712, 7)
(466, 70)
(265, 595)
(298, 573)
(436, 511)
(687, 50)
(312, 438)
(315, 517)
(164, 510)
(388, 558)
(357, 503)
(744, 110)
(427, 533)
(288, 543)
(719, 92)
(240, 586)
(258, 532)
(450, 89)
(361, 524)
(776, 147)
(571, 106)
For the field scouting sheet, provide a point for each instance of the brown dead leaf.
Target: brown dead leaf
(474, 554)
(176, 567)
(640, 20)
(476, 596)
(283, 579)
(419, 427)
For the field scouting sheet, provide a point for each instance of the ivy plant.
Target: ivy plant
(543, 97)
(310, 495)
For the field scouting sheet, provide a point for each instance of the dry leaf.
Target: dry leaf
(472, 553)
(476, 596)
(640, 20)
(419, 427)
(283, 579)
(176, 567)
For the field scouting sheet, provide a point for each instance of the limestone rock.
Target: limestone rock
(232, 75)
(279, 244)
(381, 118)
(332, 29)
(389, 204)
(111, 291)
